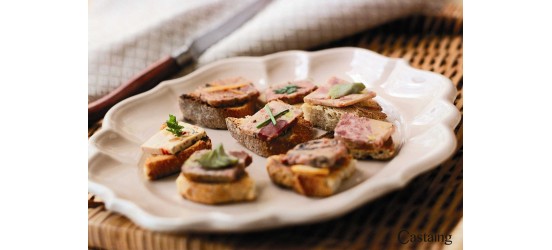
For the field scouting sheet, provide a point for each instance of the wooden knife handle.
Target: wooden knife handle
(144, 81)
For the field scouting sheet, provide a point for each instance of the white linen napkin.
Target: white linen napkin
(125, 36)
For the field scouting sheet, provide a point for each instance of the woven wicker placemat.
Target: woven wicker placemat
(430, 204)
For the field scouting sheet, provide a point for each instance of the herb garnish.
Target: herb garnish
(216, 158)
(340, 90)
(288, 89)
(267, 108)
(267, 121)
(173, 126)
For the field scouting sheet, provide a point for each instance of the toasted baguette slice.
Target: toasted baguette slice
(216, 193)
(326, 118)
(300, 132)
(306, 184)
(387, 151)
(158, 166)
(205, 115)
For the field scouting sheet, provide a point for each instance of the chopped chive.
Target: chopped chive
(267, 108)
(267, 121)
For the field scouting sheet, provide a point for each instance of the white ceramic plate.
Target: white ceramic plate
(418, 102)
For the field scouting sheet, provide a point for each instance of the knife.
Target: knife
(170, 65)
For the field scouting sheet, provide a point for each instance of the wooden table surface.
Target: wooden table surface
(430, 204)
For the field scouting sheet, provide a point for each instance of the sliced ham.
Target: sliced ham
(250, 123)
(272, 131)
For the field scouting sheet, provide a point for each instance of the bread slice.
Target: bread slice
(158, 166)
(387, 151)
(300, 132)
(217, 193)
(306, 184)
(326, 118)
(203, 114)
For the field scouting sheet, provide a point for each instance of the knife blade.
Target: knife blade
(171, 64)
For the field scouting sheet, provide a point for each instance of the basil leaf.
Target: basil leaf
(216, 158)
(341, 90)
(288, 89)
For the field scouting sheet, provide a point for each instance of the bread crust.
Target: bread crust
(205, 115)
(308, 185)
(385, 152)
(158, 166)
(326, 118)
(217, 193)
(298, 133)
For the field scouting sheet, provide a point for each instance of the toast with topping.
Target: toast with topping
(325, 106)
(366, 138)
(274, 129)
(315, 168)
(171, 146)
(291, 92)
(215, 177)
(210, 104)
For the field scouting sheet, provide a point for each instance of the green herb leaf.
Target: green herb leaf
(341, 90)
(267, 108)
(288, 89)
(217, 158)
(267, 121)
(173, 126)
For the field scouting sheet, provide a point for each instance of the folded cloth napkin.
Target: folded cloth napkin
(125, 36)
